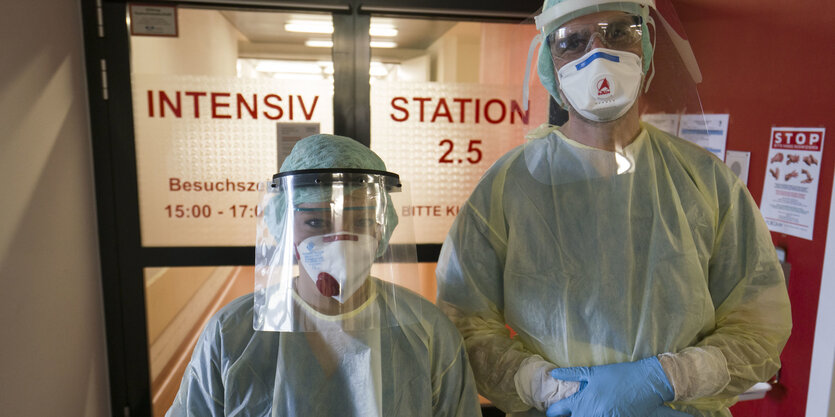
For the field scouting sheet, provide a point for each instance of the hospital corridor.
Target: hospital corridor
(380, 208)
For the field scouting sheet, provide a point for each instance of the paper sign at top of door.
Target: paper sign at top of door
(153, 20)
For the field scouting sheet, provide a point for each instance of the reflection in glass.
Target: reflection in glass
(179, 302)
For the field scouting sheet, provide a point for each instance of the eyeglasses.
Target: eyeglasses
(572, 41)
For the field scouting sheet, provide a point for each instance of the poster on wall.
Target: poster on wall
(790, 190)
(709, 131)
(738, 162)
(667, 122)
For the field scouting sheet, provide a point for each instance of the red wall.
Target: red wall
(771, 63)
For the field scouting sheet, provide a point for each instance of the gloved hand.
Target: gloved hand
(628, 389)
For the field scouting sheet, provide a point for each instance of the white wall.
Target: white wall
(52, 345)
(455, 56)
(821, 397)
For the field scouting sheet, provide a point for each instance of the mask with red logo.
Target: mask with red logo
(338, 263)
(603, 84)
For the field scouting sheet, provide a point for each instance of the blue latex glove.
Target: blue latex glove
(628, 389)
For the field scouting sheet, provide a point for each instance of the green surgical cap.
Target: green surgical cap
(324, 151)
(545, 64)
(331, 151)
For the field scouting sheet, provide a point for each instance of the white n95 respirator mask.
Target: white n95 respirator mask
(603, 84)
(338, 263)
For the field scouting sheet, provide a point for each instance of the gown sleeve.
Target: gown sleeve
(201, 390)
(453, 389)
(753, 315)
(470, 291)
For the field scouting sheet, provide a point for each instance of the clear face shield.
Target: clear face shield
(601, 59)
(323, 253)
(618, 63)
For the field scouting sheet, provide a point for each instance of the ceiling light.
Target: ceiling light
(383, 31)
(309, 26)
(382, 44)
(318, 44)
(323, 27)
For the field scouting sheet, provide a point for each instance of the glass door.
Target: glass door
(200, 104)
(218, 101)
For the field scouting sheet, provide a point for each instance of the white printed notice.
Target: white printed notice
(153, 20)
(668, 122)
(709, 131)
(790, 190)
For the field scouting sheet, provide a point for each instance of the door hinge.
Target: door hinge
(104, 94)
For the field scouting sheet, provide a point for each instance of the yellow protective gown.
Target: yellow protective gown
(417, 367)
(595, 257)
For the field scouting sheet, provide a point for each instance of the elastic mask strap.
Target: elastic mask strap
(651, 21)
(534, 43)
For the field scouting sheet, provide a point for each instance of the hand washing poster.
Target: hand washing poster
(790, 190)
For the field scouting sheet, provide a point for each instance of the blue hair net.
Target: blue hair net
(326, 151)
